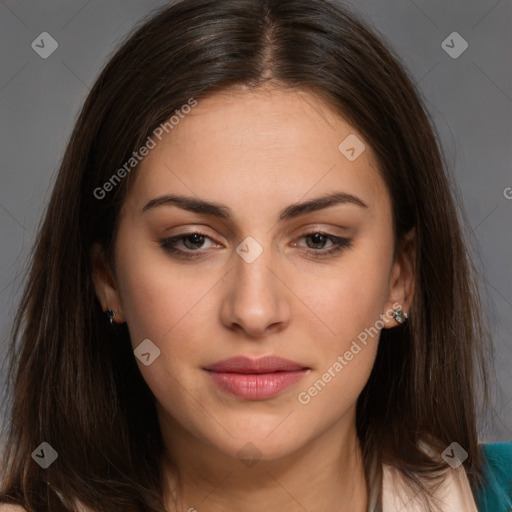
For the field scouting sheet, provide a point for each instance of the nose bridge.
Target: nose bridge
(255, 299)
(254, 281)
(253, 274)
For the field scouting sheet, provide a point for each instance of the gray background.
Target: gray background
(469, 98)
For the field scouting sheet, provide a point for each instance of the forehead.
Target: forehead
(275, 144)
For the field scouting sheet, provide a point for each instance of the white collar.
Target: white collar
(454, 493)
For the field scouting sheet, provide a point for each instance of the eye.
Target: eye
(191, 241)
(193, 244)
(319, 238)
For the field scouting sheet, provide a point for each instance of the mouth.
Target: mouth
(255, 379)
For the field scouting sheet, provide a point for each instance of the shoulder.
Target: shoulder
(453, 492)
(7, 507)
(495, 493)
(4, 507)
(498, 454)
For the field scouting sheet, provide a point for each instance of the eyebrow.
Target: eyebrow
(200, 206)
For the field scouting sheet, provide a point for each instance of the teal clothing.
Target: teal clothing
(496, 493)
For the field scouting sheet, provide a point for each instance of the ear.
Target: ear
(402, 279)
(105, 283)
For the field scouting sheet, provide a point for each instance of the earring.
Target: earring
(400, 316)
(110, 314)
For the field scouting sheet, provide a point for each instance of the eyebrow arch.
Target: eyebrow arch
(218, 210)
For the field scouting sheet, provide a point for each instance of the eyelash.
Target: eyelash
(169, 245)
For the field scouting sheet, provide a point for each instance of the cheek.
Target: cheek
(345, 332)
(346, 303)
(157, 301)
(168, 309)
(344, 360)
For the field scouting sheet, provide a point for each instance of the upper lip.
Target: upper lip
(242, 364)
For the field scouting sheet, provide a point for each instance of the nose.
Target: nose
(255, 301)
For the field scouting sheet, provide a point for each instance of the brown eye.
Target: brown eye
(192, 243)
(195, 238)
(320, 239)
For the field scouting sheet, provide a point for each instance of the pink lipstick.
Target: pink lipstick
(255, 379)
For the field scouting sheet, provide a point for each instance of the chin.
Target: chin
(257, 444)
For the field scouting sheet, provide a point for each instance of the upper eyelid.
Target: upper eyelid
(313, 228)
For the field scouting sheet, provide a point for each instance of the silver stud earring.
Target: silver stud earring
(110, 314)
(400, 316)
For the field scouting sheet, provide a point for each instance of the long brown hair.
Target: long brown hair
(74, 380)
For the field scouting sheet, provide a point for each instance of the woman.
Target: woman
(250, 278)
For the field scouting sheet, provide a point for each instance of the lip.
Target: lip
(255, 379)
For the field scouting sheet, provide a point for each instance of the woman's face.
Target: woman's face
(265, 277)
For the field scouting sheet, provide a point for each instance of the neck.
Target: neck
(325, 474)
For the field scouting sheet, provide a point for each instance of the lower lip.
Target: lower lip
(256, 386)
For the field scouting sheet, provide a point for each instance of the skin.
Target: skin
(257, 152)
